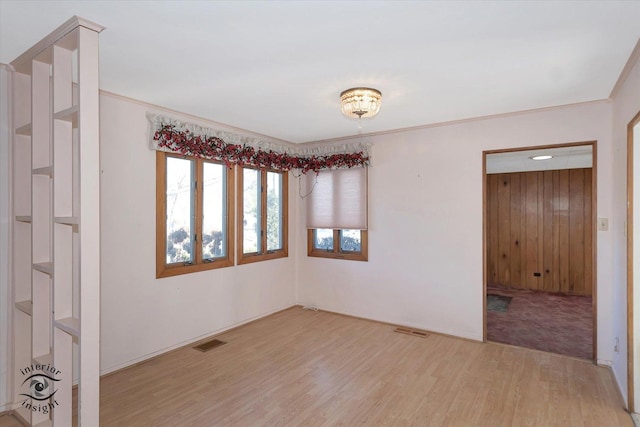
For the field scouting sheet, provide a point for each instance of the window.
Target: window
(262, 215)
(337, 214)
(340, 244)
(193, 215)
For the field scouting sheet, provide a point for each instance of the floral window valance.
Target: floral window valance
(192, 140)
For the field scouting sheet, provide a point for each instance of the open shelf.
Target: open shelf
(47, 171)
(24, 130)
(68, 115)
(70, 325)
(25, 306)
(56, 170)
(44, 267)
(68, 220)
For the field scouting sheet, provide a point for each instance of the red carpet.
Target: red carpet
(556, 323)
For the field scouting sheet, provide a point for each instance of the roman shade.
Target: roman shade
(337, 199)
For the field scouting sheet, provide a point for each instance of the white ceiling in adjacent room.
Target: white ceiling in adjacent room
(278, 67)
(572, 157)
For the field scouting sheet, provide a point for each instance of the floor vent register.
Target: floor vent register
(414, 332)
(209, 345)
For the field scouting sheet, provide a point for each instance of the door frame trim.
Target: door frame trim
(630, 332)
(594, 228)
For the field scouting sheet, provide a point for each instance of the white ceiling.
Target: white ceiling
(277, 68)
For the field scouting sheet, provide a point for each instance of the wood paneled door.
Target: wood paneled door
(539, 230)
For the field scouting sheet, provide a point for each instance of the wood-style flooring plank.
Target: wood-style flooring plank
(9, 420)
(304, 368)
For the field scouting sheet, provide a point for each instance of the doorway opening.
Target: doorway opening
(540, 248)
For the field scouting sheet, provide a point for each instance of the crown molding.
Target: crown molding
(456, 122)
(190, 118)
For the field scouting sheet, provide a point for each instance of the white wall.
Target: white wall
(425, 219)
(626, 105)
(5, 295)
(141, 315)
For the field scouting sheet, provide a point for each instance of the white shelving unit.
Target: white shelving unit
(56, 228)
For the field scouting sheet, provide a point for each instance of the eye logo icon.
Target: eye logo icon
(40, 387)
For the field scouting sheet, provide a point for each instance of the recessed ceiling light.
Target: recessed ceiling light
(547, 157)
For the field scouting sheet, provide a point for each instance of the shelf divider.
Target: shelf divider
(25, 306)
(67, 220)
(43, 359)
(68, 115)
(47, 171)
(24, 130)
(44, 267)
(70, 325)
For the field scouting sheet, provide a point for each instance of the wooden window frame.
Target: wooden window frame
(265, 255)
(167, 270)
(336, 253)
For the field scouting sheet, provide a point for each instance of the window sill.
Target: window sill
(249, 258)
(176, 270)
(349, 256)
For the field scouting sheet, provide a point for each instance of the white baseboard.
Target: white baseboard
(187, 342)
(605, 362)
(454, 334)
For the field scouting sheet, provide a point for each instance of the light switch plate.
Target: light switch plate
(603, 224)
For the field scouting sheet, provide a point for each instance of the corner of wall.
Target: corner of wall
(294, 237)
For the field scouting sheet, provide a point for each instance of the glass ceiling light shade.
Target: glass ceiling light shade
(360, 102)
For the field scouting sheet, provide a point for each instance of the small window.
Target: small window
(193, 225)
(262, 215)
(336, 211)
(339, 244)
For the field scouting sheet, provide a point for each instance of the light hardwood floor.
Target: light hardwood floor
(308, 368)
(8, 420)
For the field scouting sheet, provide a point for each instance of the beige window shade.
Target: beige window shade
(338, 199)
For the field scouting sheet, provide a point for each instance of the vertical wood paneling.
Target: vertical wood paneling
(531, 230)
(562, 216)
(576, 231)
(523, 232)
(504, 228)
(540, 233)
(492, 228)
(541, 222)
(516, 231)
(555, 273)
(547, 233)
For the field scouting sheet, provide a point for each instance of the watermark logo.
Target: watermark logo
(39, 383)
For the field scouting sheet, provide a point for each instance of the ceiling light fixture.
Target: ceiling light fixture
(360, 102)
(545, 157)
